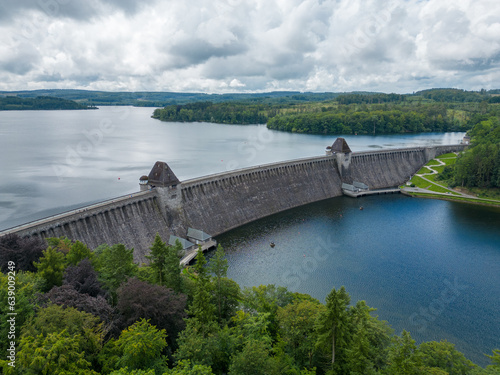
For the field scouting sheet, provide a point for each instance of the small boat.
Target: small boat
(361, 207)
(272, 244)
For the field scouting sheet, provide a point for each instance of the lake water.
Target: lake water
(398, 253)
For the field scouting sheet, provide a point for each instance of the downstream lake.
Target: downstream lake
(431, 267)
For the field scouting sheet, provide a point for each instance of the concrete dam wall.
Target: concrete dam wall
(220, 202)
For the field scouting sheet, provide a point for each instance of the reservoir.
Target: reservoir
(430, 267)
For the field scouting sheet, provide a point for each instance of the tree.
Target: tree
(158, 259)
(140, 346)
(27, 286)
(201, 307)
(51, 268)
(443, 355)
(54, 353)
(297, 330)
(173, 277)
(54, 319)
(22, 251)
(159, 305)
(226, 291)
(187, 368)
(77, 253)
(266, 299)
(333, 328)
(403, 358)
(115, 265)
(254, 359)
(84, 279)
(67, 296)
(368, 342)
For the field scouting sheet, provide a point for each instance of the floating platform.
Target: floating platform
(191, 254)
(362, 193)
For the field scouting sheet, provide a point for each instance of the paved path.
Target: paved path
(449, 193)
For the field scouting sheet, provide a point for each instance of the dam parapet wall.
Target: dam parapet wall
(223, 201)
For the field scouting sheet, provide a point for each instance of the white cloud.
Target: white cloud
(252, 45)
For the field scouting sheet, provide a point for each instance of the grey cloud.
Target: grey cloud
(74, 9)
(194, 51)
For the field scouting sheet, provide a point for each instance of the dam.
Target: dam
(220, 202)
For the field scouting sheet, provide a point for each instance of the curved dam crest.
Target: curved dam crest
(223, 201)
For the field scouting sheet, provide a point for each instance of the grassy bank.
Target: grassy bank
(426, 184)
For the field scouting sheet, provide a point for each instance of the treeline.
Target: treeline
(97, 312)
(222, 113)
(38, 103)
(355, 113)
(479, 165)
(375, 119)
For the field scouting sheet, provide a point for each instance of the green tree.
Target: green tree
(218, 267)
(55, 319)
(126, 371)
(444, 356)
(78, 252)
(54, 353)
(115, 264)
(297, 330)
(201, 307)
(226, 291)
(187, 368)
(158, 259)
(51, 268)
(254, 359)
(27, 286)
(368, 342)
(403, 357)
(140, 346)
(266, 299)
(173, 278)
(333, 328)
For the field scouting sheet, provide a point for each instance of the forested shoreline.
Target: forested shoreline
(479, 165)
(97, 312)
(14, 103)
(440, 110)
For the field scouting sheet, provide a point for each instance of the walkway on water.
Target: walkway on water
(362, 193)
(192, 253)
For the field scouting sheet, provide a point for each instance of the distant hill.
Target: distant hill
(162, 99)
(38, 103)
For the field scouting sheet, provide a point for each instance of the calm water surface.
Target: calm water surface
(399, 254)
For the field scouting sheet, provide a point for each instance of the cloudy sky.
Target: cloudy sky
(249, 45)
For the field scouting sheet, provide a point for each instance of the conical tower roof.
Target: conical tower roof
(340, 145)
(162, 175)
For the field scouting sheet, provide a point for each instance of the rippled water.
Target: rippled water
(430, 267)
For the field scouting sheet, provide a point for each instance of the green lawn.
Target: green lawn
(450, 155)
(433, 162)
(424, 170)
(439, 169)
(423, 184)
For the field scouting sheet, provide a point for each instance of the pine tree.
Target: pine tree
(201, 308)
(158, 259)
(333, 327)
(218, 266)
(172, 268)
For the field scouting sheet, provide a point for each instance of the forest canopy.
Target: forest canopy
(96, 312)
